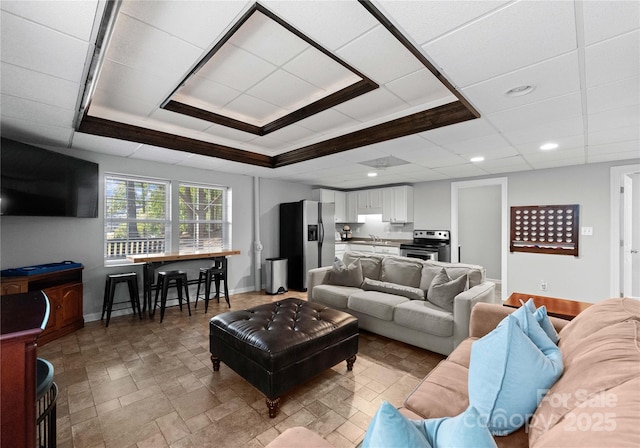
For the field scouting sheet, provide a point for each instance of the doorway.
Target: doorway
(625, 231)
(464, 192)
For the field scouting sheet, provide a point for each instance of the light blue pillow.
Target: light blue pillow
(510, 370)
(543, 319)
(389, 428)
(468, 429)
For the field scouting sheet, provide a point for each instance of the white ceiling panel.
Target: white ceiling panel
(161, 155)
(178, 121)
(617, 135)
(607, 18)
(568, 142)
(28, 131)
(486, 48)
(253, 110)
(330, 23)
(614, 118)
(285, 90)
(614, 151)
(104, 145)
(121, 103)
(447, 135)
(69, 17)
(230, 134)
(552, 159)
(200, 23)
(375, 104)
(326, 120)
(465, 170)
(613, 59)
(366, 52)
(42, 49)
(542, 133)
(538, 113)
(28, 84)
(206, 94)
(143, 47)
(425, 22)
(614, 95)
(419, 87)
(552, 78)
(307, 66)
(482, 145)
(37, 112)
(204, 162)
(505, 165)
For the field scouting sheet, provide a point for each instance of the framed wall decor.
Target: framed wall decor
(545, 229)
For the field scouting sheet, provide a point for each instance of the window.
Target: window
(137, 216)
(204, 217)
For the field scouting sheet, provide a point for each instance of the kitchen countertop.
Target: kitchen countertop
(367, 241)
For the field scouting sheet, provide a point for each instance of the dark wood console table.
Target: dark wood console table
(556, 307)
(64, 290)
(22, 319)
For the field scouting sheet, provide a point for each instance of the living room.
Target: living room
(587, 174)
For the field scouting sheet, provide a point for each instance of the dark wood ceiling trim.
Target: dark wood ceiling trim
(202, 114)
(122, 131)
(417, 53)
(354, 90)
(445, 115)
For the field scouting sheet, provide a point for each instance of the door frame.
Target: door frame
(617, 174)
(504, 221)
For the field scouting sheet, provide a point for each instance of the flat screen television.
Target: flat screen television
(38, 182)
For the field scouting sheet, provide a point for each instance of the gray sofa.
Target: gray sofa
(401, 298)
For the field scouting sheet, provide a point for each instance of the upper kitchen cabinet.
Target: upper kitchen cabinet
(369, 202)
(339, 198)
(397, 204)
(341, 206)
(323, 195)
(351, 212)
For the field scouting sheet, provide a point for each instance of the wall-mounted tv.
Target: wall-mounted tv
(38, 182)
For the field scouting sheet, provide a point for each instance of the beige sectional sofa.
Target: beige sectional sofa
(595, 403)
(395, 297)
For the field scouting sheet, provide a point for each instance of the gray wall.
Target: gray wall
(35, 240)
(584, 278)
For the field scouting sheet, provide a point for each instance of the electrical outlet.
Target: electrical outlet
(587, 231)
(543, 285)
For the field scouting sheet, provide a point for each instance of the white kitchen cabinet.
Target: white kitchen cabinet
(351, 213)
(367, 248)
(323, 195)
(369, 201)
(397, 204)
(387, 250)
(341, 206)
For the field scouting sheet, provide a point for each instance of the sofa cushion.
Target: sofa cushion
(403, 271)
(424, 316)
(393, 288)
(370, 263)
(443, 392)
(507, 373)
(476, 273)
(346, 275)
(599, 378)
(374, 303)
(443, 289)
(333, 296)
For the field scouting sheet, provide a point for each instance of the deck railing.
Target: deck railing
(120, 248)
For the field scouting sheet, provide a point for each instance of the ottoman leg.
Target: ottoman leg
(273, 406)
(350, 362)
(216, 363)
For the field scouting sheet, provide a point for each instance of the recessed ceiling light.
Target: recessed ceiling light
(372, 174)
(548, 146)
(476, 159)
(520, 90)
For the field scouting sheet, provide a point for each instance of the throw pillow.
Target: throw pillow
(389, 428)
(402, 271)
(343, 275)
(543, 319)
(531, 327)
(393, 288)
(509, 374)
(443, 290)
(465, 430)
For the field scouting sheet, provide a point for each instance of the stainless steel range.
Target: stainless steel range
(428, 245)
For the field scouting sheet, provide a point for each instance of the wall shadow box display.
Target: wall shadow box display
(545, 229)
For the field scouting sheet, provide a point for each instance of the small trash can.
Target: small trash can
(276, 275)
(46, 396)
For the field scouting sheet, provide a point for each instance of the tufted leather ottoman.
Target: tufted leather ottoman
(280, 345)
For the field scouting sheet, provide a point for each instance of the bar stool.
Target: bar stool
(164, 279)
(217, 273)
(131, 278)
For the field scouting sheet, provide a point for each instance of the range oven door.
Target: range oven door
(422, 254)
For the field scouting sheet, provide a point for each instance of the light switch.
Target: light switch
(587, 231)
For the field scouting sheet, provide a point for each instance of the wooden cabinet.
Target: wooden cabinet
(64, 290)
(397, 204)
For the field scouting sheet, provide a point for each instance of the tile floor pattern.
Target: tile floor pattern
(144, 384)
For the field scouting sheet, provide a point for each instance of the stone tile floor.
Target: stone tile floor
(145, 384)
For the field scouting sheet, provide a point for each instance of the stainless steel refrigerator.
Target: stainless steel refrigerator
(307, 238)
